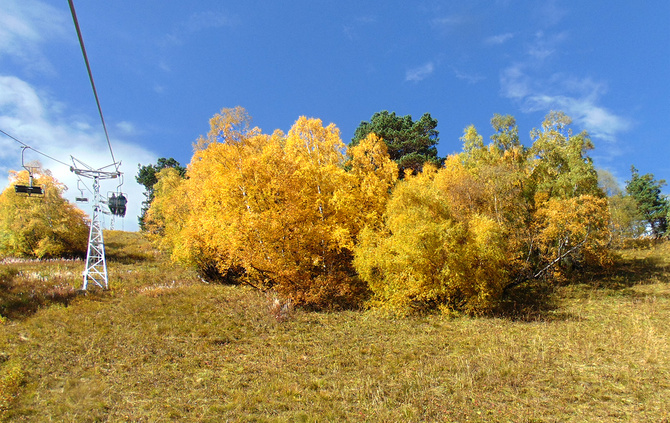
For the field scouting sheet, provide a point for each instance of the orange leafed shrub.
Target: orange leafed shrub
(282, 207)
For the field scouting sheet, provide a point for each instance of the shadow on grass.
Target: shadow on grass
(128, 247)
(537, 300)
(120, 253)
(20, 297)
(530, 302)
(628, 272)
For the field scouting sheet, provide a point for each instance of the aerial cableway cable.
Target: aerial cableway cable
(96, 263)
(90, 77)
(36, 151)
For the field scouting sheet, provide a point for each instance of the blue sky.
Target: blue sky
(163, 68)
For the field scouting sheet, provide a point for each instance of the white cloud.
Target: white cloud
(514, 83)
(19, 95)
(448, 22)
(127, 128)
(351, 29)
(34, 119)
(200, 21)
(527, 83)
(597, 120)
(164, 67)
(468, 77)
(499, 39)
(544, 46)
(208, 19)
(578, 98)
(24, 26)
(420, 73)
(549, 12)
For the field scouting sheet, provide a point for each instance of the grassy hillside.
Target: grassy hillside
(161, 345)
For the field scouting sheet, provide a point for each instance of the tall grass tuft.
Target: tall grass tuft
(279, 309)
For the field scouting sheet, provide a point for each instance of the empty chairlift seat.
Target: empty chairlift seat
(28, 189)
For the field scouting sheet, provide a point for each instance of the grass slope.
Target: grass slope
(161, 345)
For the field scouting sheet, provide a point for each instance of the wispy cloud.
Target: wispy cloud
(527, 82)
(543, 46)
(468, 77)
(162, 65)
(498, 39)
(126, 128)
(514, 83)
(351, 29)
(549, 12)
(25, 26)
(579, 98)
(209, 19)
(200, 21)
(447, 22)
(42, 123)
(420, 73)
(597, 120)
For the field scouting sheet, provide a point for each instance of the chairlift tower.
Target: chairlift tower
(96, 262)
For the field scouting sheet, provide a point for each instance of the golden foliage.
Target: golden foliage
(321, 225)
(494, 216)
(573, 230)
(431, 251)
(43, 227)
(281, 207)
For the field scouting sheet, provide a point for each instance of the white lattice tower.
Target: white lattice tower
(96, 264)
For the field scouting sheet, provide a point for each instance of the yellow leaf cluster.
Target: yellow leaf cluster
(494, 216)
(325, 225)
(579, 224)
(434, 250)
(282, 210)
(41, 227)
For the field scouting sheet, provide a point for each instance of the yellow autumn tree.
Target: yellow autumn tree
(285, 208)
(371, 176)
(533, 193)
(432, 251)
(492, 218)
(568, 207)
(42, 227)
(572, 232)
(499, 188)
(231, 191)
(174, 223)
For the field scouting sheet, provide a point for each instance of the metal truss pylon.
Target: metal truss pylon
(96, 264)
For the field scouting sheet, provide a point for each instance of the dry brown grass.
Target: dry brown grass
(163, 346)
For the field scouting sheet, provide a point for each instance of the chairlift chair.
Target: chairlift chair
(117, 201)
(82, 198)
(117, 204)
(29, 189)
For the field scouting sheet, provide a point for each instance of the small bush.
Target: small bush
(48, 227)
